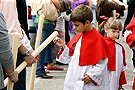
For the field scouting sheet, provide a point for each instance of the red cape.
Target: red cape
(93, 47)
(131, 37)
(112, 61)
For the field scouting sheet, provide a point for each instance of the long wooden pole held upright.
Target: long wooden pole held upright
(14, 51)
(114, 12)
(34, 54)
(37, 44)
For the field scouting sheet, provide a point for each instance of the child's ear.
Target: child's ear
(87, 22)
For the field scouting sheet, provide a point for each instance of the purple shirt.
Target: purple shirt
(74, 4)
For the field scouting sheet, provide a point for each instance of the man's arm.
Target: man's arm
(29, 59)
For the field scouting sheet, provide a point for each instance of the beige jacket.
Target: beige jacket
(45, 7)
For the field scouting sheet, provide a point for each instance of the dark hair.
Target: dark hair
(81, 13)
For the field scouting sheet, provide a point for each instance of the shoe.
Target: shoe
(46, 71)
(45, 76)
(60, 63)
(54, 68)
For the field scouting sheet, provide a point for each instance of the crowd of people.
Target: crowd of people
(96, 61)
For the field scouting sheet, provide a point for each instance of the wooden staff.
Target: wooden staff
(114, 12)
(96, 25)
(34, 54)
(37, 44)
(14, 51)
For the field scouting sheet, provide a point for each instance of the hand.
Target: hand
(86, 79)
(117, 15)
(30, 60)
(59, 42)
(37, 57)
(14, 77)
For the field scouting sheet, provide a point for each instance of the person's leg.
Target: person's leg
(129, 16)
(40, 63)
(67, 37)
(48, 30)
(40, 71)
(21, 83)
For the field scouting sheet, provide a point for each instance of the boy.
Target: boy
(86, 53)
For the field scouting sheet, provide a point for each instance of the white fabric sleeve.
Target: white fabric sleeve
(126, 33)
(98, 71)
(64, 16)
(26, 42)
(64, 57)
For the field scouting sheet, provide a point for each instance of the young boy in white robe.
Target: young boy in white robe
(118, 64)
(87, 54)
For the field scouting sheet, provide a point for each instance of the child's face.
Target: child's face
(113, 34)
(79, 27)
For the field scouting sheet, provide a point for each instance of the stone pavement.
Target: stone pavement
(56, 83)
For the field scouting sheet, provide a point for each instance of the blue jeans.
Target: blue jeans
(46, 55)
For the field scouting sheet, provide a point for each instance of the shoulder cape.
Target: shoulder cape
(131, 37)
(112, 61)
(93, 47)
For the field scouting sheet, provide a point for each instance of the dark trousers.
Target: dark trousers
(129, 16)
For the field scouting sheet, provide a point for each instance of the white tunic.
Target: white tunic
(75, 73)
(115, 75)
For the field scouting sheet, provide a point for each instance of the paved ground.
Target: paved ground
(56, 83)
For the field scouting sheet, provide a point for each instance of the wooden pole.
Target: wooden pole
(14, 51)
(37, 44)
(114, 12)
(34, 54)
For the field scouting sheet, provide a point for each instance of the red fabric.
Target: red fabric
(104, 18)
(133, 84)
(60, 52)
(92, 80)
(129, 39)
(93, 47)
(122, 79)
(112, 61)
(131, 26)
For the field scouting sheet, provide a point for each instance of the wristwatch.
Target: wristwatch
(26, 54)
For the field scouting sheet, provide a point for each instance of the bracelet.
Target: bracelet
(11, 73)
(13, 78)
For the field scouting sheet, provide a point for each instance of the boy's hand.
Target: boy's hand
(86, 79)
(59, 42)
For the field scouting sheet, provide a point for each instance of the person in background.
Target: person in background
(105, 8)
(130, 40)
(60, 23)
(46, 55)
(130, 14)
(22, 16)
